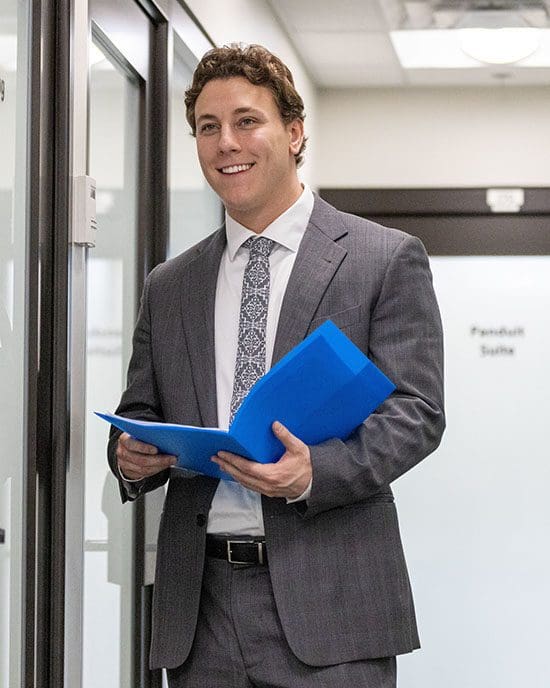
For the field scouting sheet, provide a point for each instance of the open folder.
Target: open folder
(325, 387)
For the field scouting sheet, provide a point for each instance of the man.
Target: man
(319, 595)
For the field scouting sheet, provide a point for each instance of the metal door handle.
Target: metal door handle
(2, 536)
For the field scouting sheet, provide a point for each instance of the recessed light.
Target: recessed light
(453, 49)
(499, 46)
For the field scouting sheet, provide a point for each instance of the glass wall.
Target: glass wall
(13, 241)
(111, 299)
(195, 210)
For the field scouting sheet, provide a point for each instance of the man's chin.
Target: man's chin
(238, 205)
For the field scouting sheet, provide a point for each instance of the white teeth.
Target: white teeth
(236, 168)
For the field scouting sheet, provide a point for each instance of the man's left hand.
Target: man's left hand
(288, 477)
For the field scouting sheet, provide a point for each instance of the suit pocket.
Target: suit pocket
(341, 319)
(378, 498)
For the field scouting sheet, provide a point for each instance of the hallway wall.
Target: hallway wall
(425, 137)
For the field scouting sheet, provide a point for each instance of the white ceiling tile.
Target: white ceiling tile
(348, 49)
(326, 15)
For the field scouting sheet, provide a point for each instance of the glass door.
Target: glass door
(114, 121)
(13, 294)
(114, 114)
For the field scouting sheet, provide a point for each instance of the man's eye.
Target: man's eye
(207, 128)
(247, 121)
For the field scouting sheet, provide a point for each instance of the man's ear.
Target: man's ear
(296, 135)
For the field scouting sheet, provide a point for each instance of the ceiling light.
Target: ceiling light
(499, 46)
(473, 37)
(497, 36)
(442, 49)
(430, 49)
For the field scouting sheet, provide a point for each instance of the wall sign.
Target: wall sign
(505, 200)
(497, 341)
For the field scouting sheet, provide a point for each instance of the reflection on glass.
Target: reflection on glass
(195, 210)
(113, 136)
(13, 102)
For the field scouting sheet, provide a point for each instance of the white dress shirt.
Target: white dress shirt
(235, 509)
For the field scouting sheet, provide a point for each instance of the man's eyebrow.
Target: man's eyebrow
(241, 110)
(237, 111)
(206, 116)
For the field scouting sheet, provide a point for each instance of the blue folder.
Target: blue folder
(325, 387)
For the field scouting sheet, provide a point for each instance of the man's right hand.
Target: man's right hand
(138, 460)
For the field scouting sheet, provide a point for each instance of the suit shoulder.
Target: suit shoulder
(385, 244)
(373, 231)
(357, 228)
(174, 268)
(365, 239)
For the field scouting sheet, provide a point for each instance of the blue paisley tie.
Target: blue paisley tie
(251, 363)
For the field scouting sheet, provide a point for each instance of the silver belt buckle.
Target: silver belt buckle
(259, 545)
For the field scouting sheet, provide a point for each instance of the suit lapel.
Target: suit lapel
(197, 306)
(318, 259)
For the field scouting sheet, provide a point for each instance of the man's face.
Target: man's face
(246, 151)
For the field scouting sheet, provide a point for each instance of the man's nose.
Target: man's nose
(228, 142)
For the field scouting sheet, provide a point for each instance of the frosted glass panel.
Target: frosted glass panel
(195, 211)
(111, 298)
(13, 239)
(476, 515)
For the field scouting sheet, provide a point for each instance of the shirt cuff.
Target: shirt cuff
(305, 495)
(130, 485)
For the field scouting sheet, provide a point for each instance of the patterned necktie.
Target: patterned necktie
(251, 363)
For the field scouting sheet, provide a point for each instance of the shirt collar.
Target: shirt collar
(288, 229)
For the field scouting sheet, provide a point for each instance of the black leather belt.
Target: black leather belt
(236, 550)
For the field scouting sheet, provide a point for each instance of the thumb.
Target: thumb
(290, 441)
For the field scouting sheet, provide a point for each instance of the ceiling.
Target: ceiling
(346, 43)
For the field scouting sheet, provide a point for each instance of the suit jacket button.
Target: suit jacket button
(201, 519)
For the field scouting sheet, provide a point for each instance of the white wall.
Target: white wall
(434, 137)
(473, 515)
(252, 21)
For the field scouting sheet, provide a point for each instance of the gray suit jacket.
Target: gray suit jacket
(336, 562)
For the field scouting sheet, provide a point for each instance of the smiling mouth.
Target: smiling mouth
(234, 169)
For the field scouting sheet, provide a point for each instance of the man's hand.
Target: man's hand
(137, 460)
(289, 477)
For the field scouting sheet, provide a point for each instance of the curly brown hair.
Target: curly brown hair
(261, 68)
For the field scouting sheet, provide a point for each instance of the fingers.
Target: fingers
(134, 445)
(290, 441)
(288, 477)
(243, 470)
(137, 460)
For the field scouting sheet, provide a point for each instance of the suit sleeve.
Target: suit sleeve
(140, 399)
(406, 342)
